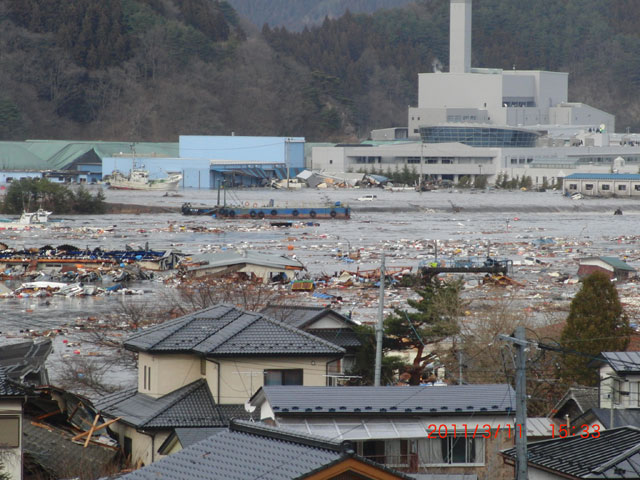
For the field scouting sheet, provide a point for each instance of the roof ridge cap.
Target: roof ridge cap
(276, 433)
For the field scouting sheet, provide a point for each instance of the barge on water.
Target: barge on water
(329, 211)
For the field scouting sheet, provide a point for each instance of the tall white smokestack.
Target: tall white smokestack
(460, 37)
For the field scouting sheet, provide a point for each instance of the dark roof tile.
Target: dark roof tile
(189, 406)
(606, 456)
(226, 330)
(419, 400)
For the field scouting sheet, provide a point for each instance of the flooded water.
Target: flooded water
(405, 225)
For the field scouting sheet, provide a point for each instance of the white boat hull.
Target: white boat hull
(140, 181)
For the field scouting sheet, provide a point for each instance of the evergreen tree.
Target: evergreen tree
(365, 359)
(596, 323)
(431, 319)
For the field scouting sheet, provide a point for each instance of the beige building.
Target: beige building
(11, 402)
(200, 369)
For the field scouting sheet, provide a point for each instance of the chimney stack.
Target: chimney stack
(460, 36)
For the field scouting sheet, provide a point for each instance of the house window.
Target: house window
(588, 186)
(606, 187)
(387, 452)
(283, 377)
(451, 451)
(10, 431)
(622, 188)
(573, 186)
(146, 381)
(636, 188)
(203, 366)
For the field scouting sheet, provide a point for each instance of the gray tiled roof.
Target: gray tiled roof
(429, 400)
(343, 337)
(300, 316)
(223, 330)
(189, 436)
(628, 417)
(8, 388)
(628, 362)
(20, 358)
(614, 454)
(239, 455)
(53, 451)
(189, 406)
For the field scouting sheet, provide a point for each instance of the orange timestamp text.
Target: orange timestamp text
(512, 431)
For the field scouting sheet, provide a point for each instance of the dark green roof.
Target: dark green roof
(59, 154)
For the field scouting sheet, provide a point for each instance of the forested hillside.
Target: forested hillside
(294, 15)
(154, 69)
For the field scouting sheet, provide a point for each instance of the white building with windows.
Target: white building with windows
(451, 429)
(491, 122)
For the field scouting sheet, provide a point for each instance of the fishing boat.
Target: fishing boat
(38, 218)
(139, 180)
(271, 211)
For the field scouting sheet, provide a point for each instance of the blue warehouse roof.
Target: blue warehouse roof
(603, 176)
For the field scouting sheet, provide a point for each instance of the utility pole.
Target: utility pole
(379, 327)
(460, 367)
(421, 161)
(521, 344)
(286, 157)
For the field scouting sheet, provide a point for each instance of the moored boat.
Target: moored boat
(139, 180)
(297, 212)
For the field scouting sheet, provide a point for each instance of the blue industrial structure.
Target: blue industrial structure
(206, 162)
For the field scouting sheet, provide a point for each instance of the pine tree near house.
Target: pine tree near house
(431, 319)
(596, 323)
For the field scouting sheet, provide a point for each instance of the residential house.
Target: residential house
(24, 360)
(12, 398)
(619, 374)
(611, 454)
(574, 403)
(322, 322)
(421, 430)
(247, 451)
(613, 267)
(266, 267)
(199, 370)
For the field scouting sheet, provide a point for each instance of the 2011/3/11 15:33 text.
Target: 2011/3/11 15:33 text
(487, 431)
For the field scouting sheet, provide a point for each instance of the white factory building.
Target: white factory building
(482, 121)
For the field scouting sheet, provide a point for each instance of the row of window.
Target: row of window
(424, 452)
(521, 161)
(604, 187)
(479, 136)
(432, 160)
(461, 118)
(607, 160)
